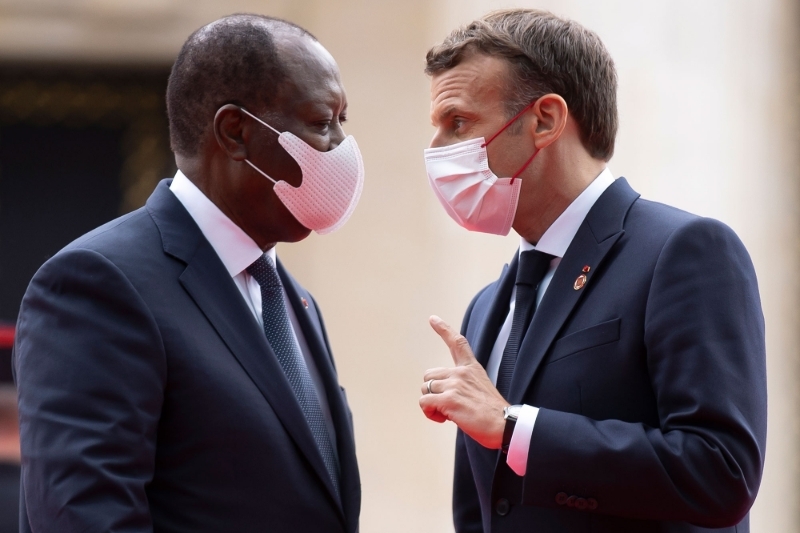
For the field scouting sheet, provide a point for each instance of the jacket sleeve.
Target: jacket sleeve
(704, 342)
(90, 369)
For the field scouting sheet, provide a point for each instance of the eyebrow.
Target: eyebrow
(450, 110)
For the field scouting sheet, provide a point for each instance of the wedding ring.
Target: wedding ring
(429, 387)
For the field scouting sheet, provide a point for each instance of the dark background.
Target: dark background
(79, 146)
(57, 182)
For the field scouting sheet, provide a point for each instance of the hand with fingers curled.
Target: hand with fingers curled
(464, 393)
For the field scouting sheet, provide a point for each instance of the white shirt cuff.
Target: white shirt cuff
(517, 458)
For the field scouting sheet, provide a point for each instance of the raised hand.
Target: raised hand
(463, 393)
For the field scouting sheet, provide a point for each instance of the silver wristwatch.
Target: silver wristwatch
(510, 415)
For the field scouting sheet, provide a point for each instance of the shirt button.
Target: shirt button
(502, 507)
(581, 504)
(561, 498)
(592, 504)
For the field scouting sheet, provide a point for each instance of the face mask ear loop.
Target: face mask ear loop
(260, 171)
(509, 123)
(246, 112)
(520, 171)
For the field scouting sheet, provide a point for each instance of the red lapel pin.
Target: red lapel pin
(580, 281)
(305, 302)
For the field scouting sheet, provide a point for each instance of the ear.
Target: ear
(230, 130)
(551, 113)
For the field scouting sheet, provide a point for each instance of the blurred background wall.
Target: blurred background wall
(710, 122)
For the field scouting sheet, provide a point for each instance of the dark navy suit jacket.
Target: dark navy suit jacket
(150, 399)
(650, 379)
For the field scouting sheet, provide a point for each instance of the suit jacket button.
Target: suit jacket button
(592, 504)
(561, 498)
(502, 507)
(571, 501)
(581, 504)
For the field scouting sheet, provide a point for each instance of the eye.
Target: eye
(322, 126)
(458, 123)
(342, 119)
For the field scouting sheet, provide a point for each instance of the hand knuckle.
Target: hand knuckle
(462, 342)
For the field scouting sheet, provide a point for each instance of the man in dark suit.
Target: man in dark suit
(618, 379)
(172, 376)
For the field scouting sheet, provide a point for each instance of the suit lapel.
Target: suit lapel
(215, 293)
(601, 229)
(313, 331)
(497, 312)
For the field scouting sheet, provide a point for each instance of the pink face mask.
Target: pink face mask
(332, 181)
(468, 190)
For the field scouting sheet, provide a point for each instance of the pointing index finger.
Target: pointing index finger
(459, 347)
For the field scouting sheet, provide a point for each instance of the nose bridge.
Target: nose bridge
(437, 140)
(337, 136)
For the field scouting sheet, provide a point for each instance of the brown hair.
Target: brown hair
(547, 54)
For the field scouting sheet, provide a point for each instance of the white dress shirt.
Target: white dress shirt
(237, 251)
(555, 242)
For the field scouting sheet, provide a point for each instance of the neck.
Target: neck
(201, 172)
(547, 197)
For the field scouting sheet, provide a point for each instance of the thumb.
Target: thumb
(459, 347)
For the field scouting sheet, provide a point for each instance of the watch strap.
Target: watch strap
(508, 432)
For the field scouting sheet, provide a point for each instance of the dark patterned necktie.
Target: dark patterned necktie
(279, 335)
(532, 267)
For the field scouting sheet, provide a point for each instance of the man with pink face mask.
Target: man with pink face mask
(172, 374)
(613, 378)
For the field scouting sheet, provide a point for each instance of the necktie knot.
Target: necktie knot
(533, 265)
(264, 272)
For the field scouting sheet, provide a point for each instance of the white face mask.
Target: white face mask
(468, 190)
(332, 181)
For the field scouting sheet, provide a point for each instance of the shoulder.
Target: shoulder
(661, 227)
(75, 277)
(709, 246)
(127, 244)
(675, 226)
(122, 233)
(654, 217)
(698, 261)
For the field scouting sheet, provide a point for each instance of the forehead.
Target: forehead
(312, 74)
(478, 83)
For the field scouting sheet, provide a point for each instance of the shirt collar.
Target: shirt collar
(233, 246)
(559, 235)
